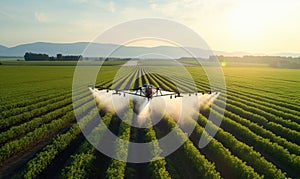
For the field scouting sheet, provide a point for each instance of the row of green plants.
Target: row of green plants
(280, 138)
(156, 167)
(253, 99)
(269, 113)
(261, 116)
(260, 126)
(283, 141)
(116, 168)
(283, 131)
(228, 164)
(44, 158)
(13, 147)
(28, 105)
(243, 151)
(237, 89)
(28, 115)
(20, 130)
(81, 163)
(276, 101)
(272, 150)
(227, 147)
(264, 90)
(123, 78)
(45, 130)
(24, 99)
(183, 83)
(191, 154)
(126, 82)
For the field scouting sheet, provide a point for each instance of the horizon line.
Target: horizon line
(215, 51)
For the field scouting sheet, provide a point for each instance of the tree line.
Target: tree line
(29, 56)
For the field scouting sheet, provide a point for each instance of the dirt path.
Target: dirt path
(131, 63)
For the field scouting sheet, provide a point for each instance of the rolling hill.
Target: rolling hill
(101, 50)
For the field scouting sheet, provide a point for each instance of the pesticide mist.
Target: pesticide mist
(153, 109)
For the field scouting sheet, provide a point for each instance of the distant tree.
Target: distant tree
(35, 57)
(59, 57)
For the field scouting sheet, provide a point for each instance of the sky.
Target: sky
(254, 26)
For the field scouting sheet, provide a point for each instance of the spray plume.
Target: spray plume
(154, 108)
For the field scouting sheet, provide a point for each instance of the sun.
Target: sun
(223, 64)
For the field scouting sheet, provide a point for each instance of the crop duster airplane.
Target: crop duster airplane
(147, 91)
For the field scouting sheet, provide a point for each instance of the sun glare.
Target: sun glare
(248, 21)
(223, 64)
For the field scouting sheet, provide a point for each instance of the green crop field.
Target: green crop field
(39, 137)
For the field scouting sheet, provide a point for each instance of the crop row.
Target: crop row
(116, 168)
(243, 151)
(228, 164)
(36, 165)
(191, 154)
(26, 116)
(256, 123)
(157, 166)
(81, 163)
(282, 130)
(29, 98)
(271, 150)
(254, 95)
(253, 99)
(18, 131)
(30, 105)
(287, 143)
(266, 111)
(276, 101)
(13, 147)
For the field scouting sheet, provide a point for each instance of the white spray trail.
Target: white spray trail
(154, 108)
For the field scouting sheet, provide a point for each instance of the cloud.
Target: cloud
(80, 1)
(5, 15)
(111, 6)
(40, 17)
(193, 11)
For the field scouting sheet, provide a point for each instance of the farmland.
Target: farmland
(259, 136)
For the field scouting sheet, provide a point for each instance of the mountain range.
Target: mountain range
(101, 50)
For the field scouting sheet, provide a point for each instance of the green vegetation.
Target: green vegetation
(39, 137)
